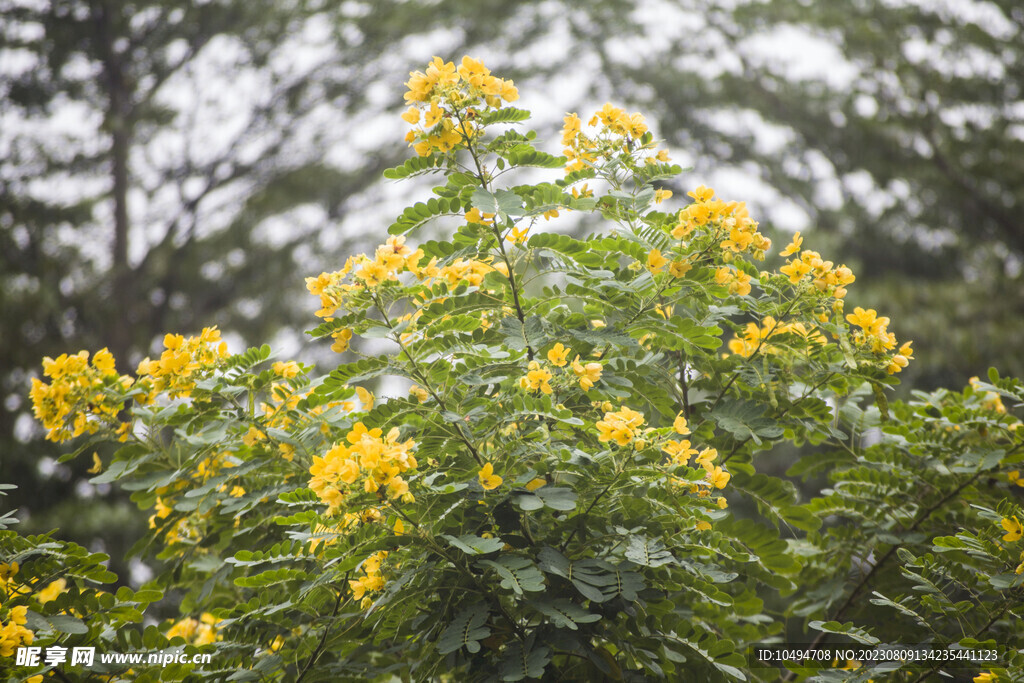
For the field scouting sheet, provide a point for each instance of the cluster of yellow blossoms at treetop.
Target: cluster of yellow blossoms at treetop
(82, 395)
(184, 360)
(727, 224)
(376, 459)
(825, 277)
(449, 97)
(76, 401)
(875, 334)
(730, 222)
(615, 132)
(362, 273)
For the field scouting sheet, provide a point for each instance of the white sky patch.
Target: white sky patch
(768, 138)
(984, 14)
(801, 55)
(300, 220)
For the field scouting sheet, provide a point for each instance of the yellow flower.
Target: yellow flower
(662, 195)
(411, 115)
(718, 477)
(619, 426)
(517, 235)
(341, 341)
(796, 270)
(536, 379)
(680, 452)
(419, 392)
(287, 370)
(558, 355)
(52, 591)
(706, 457)
(679, 425)
(985, 677)
(793, 246)
(679, 268)
(488, 479)
(656, 262)
(865, 319)
(703, 525)
(1014, 530)
(588, 374)
(97, 464)
(535, 484)
(474, 216)
(365, 397)
(702, 193)
(741, 285)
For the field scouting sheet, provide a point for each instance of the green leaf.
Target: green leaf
(475, 545)
(414, 166)
(421, 212)
(67, 624)
(523, 661)
(554, 497)
(847, 629)
(564, 613)
(745, 420)
(518, 574)
(647, 552)
(499, 202)
(504, 115)
(466, 630)
(519, 335)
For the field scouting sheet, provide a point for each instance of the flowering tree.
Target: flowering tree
(572, 487)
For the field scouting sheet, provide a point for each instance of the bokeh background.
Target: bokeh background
(167, 165)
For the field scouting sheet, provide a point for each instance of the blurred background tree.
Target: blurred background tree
(166, 166)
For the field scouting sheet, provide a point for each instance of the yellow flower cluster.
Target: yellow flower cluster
(1014, 529)
(444, 101)
(826, 277)
(729, 222)
(615, 132)
(587, 374)
(737, 280)
(13, 634)
(362, 273)
(371, 581)
(680, 452)
(190, 529)
(989, 399)
(620, 426)
(874, 333)
(754, 336)
(378, 460)
(183, 362)
(76, 401)
(197, 632)
(538, 377)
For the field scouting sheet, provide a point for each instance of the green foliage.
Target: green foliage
(578, 485)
